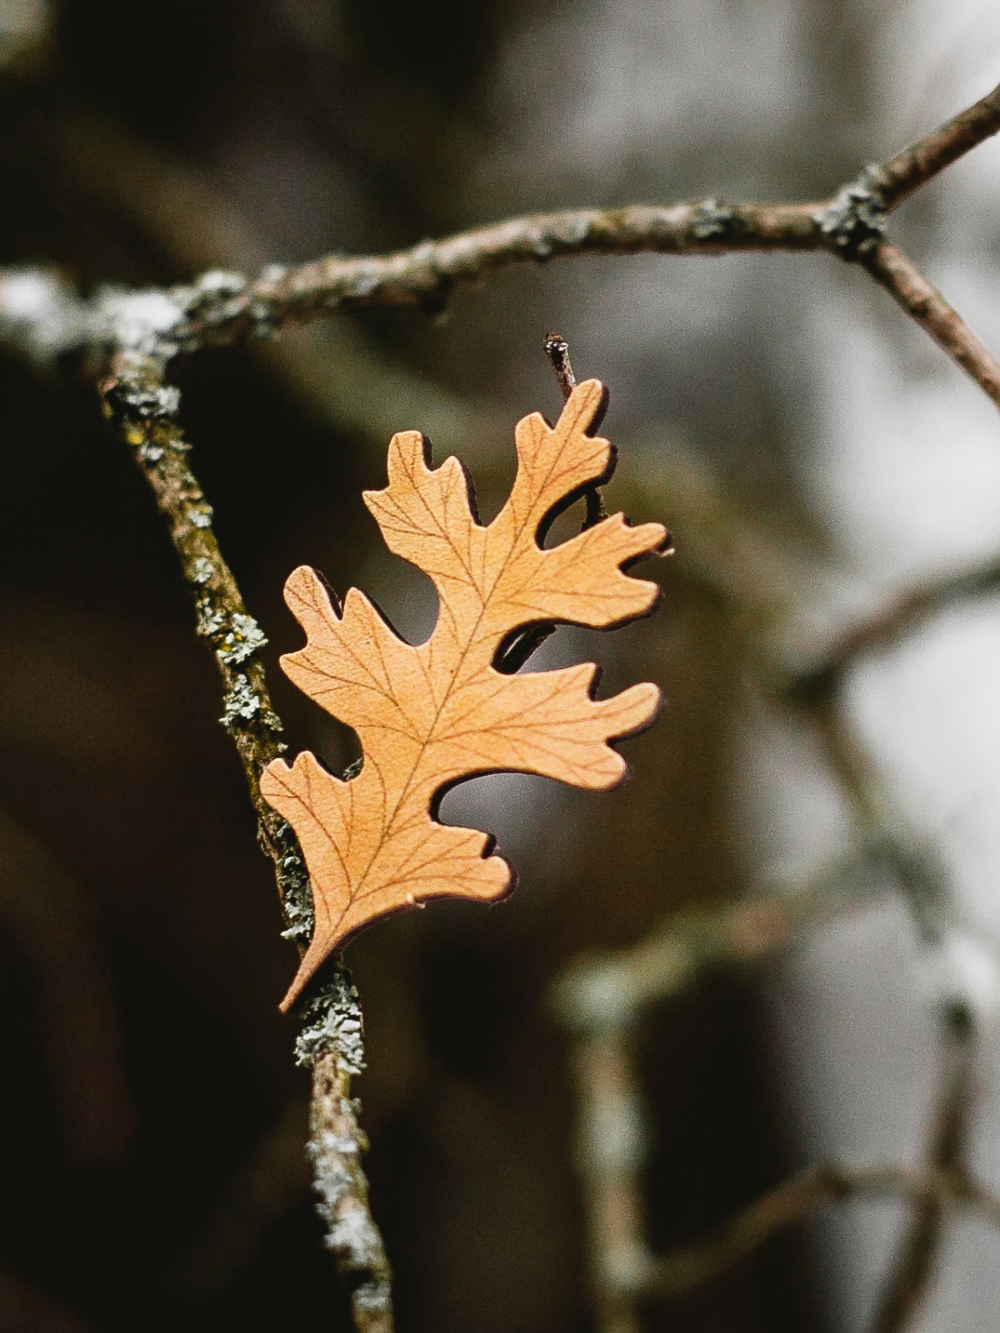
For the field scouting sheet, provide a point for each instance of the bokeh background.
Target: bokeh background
(812, 454)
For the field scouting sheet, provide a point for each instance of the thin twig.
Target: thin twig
(888, 626)
(911, 1274)
(904, 282)
(613, 992)
(602, 1001)
(423, 275)
(610, 1152)
(557, 350)
(695, 1264)
(335, 1148)
(905, 173)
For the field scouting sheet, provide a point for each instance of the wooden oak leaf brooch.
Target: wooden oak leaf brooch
(432, 714)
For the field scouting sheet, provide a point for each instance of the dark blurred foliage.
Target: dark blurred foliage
(151, 1120)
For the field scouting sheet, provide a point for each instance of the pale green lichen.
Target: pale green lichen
(244, 638)
(144, 322)
(855, 219)
(714, 220)
(240, 704)
(211, 620)
(295, 890)
(200, 515)
(154, 400)
(332, 1020)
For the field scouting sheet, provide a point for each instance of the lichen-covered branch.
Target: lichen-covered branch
(331, 1046)
(424, 275)
(226, 307)
(144, 409)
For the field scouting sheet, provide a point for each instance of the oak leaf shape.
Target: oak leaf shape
(432, 714)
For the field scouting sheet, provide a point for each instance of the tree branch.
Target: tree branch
(912, 1272)
(888, 626)
(228, 307)
(602, 1002)
(612, 993)
(908, 287)
(335, 1148)
(687, 1268)
(612, 1135)
(905, 173)
(143, 408)
(424, 275)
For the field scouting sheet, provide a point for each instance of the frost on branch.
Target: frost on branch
(431, 715)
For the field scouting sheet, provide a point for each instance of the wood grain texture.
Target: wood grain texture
(430, 715)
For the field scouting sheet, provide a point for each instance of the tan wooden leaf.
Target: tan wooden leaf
(430, 715)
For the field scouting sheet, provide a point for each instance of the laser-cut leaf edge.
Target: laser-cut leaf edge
(454, 548)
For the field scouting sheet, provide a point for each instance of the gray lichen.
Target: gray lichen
(144, 322)
(240, 704)
(243, 639)
(296, 893)
(211, 620)
(220, 282)
(152, 400)
(714, 220)
(351, 1233)
(201, 570)
(220, 298)
(374, 1296)
(332, 1018)
(241, 635)
(200, 515)
(855, 219)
